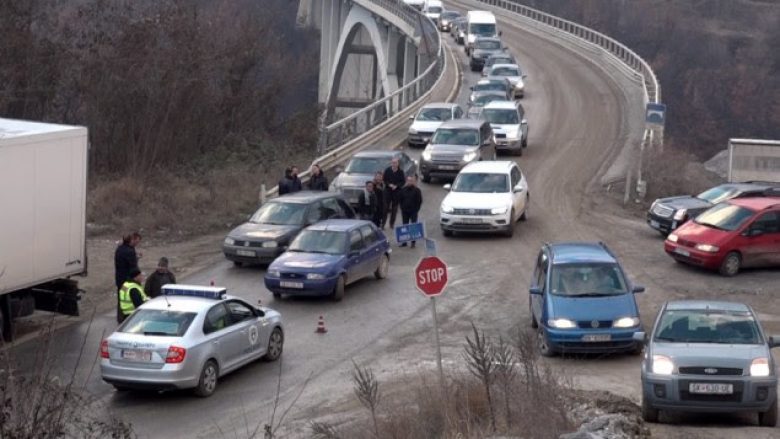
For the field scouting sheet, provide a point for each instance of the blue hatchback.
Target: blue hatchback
(327, 256)
(582, 302)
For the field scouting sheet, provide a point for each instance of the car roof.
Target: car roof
(756, 203)
(184, 303)
(501, 55)
(514, 66)
(488, 39)
(489, 92)
(721, 305)
(380, 153)
(578, 252)
(439, 105)
(491, 79)
(338, 225)
(493, 166)
(462, 123)
(503, 105)
(304, 197)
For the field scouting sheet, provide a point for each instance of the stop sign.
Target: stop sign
(430, 276)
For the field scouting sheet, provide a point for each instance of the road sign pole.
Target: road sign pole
(438, 345)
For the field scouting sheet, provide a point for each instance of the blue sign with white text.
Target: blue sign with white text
(409, 232)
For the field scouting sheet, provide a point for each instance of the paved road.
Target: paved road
(577, 116)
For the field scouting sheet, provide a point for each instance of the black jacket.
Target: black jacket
(284, 185)
(318, 182)
(394, 177)
(410, 199)
(367, 210)
(125, 260)
(156, 280)
(379, 190)
(295, 184)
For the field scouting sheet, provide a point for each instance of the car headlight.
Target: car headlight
(680, 214)
(519, 85)
(662, 365)
(672, 238)
(230, 241)
(471, 98)
(626, 322)
(426, 155)
(498, 210)
(562, 323)
(760, 367)
(469, 156)
(447, 209)
(315, 276)
(513, 135)
(272, 273)
(709, 248)
(270, 244)
(412, 130)
(472, 38)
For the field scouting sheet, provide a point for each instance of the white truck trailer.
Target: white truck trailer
(43, 194)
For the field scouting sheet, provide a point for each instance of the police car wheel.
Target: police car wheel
(208, 379)
(275, 345)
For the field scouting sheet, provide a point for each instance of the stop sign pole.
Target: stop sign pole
(430, 276)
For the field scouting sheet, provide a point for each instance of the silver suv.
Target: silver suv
(455, 144)
(510, 126)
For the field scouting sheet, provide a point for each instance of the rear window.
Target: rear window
(158, 322)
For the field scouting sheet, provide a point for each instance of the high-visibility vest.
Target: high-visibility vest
(125, 301)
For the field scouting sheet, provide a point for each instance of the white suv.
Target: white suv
(510, 127)
(487, 196)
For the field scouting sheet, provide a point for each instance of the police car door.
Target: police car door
(246, 339)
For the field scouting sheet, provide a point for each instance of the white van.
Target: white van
(433, 10)
(479, 24)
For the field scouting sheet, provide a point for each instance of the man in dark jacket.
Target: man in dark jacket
(394, 180)
(160, 277)
(411, 202)
(285, 182)
(379, 191)
(295, 182)
(367, 203)
(125, 261)
(317, 181)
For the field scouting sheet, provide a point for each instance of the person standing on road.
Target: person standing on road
(317, 181)
(367, 203)
(285, 182)
(295, 182)
(160, 277)
(125, 260)
(379, 191)
(394, 180)
(411, 202)
(131, 295)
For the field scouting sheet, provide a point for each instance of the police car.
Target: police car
(188, 338)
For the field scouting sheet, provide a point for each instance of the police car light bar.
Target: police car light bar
(216, 293)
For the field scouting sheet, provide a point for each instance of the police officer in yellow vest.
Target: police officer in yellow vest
(131, 295)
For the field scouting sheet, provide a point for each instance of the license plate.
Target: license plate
(448, 168)
(711, 388)
(136, 355)
(654, 224)
(471, 220)
(596, 337)
(248, 253)
(682, 252)
(288, 284)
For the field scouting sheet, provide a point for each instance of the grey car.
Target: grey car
(187, 339)
(270, 230)
(482, 98)
(483, 48)
(458, 31)
(362, 167)
(455, 144)
(499, 58)
(491, 84)
(709, 356)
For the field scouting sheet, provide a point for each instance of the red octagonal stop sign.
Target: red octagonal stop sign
(430, 276)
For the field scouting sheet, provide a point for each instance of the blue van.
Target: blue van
(581, 301)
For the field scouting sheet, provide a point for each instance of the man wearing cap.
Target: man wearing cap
(131, 295)
(160, 277)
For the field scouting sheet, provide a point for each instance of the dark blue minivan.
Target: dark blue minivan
(581, 301)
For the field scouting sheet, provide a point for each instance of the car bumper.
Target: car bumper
(692, 256)
(508, 144)
(171, 376)
(251, 255)
(419, 139)
(309, 287)
(450, 169)
(662, 224)
(474, 223)
(572, 341)
(477, 62)
(519, 92)
(670, 392)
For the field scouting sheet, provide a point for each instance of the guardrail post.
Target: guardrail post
(262, 195)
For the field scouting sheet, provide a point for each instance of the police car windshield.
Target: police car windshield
(320, 241)
(158, 322)
(278, 213)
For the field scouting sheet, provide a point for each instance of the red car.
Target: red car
(742, 232)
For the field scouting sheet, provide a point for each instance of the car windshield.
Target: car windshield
(708, 326)
(500, 117)
(434, 9)
(581, 280)
(434, 115)
(487, 29)
(158, 322)
(449, 15)
(504, 71)
(490, 86)
(718, 194)
(724, 216)
(488, 45)
(492, 61)
(481, 183)
(453, 136)
(279, 213)
(320, 241)
(481, 100)
(366, 165)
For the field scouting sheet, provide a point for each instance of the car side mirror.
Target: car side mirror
(259, 312)
(471, 88)
(640, 336)
(638, 289)
(505, 48)
(535, 291)
(500, 33)
(339, 169)
(518, 188)
(774, 341)
(411, 117)
(524, 122)
(524, 76)
(447, 187)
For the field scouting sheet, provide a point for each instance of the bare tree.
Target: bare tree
(506, 372)
(480, 359)
(367, 390)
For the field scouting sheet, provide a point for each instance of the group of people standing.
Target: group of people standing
(290, 183)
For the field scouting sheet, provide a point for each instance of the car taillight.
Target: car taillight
(175, 355)
(104, 349)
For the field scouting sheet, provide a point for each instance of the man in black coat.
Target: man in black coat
(285, 182)
(367, 203)
(394, 180)
(161, 276)
(125, 261)
(317, 181)
(379, 191)
(295, 182)
(411, 202)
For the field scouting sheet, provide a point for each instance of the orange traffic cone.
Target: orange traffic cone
(321, 326)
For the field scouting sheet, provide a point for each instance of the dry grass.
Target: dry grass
(674, 172)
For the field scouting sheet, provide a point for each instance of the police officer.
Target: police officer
(131, 295)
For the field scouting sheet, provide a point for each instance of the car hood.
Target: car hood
(471, 200)
(692, 231)
(593, 308)
(302, 261)
(450, 149)
(352, 180)
(425, 125)
(255, 231)
(710, 354)
(505, 129)
(684, 202)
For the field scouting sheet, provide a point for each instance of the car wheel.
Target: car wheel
(277, 295)
(121, 388)
(426, 178)
(524, 216)
(381, 269)
(524, 143)
(275, 345)
(769, 417)
(338, 291)
(519, 151)
(208, 379)
(731, 264)
(543, 345)
(446, 232)
(534, 323)
(510, 231)
(649, 413)
(637, 349)
(238, 264)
